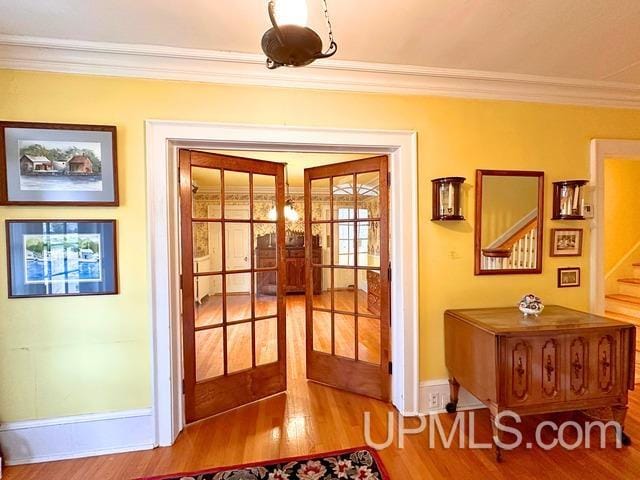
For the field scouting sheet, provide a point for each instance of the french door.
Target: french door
(233, 334)
(347, 318)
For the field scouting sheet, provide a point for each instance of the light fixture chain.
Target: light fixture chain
(326, 15)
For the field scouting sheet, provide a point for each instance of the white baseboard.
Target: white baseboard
(440, 389)
(35, 441)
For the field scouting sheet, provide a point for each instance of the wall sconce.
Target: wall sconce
(447, 198)
(568, 200)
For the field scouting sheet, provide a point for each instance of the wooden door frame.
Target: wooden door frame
(164, 138)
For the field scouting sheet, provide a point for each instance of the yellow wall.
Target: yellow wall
(90, 354)
(622, 197)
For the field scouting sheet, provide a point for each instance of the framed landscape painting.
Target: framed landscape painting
(51, 258)
(58, 164)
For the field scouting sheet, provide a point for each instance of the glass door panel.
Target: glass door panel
(348, 314)
(343, 198)
(368, 195)
(207, 246)
(265, 298)
(233, 308)
(321, 194)
(237, 246)
(208, 300)
(205, 192)
(322, 293)
(264, 197)
(236, 195)
(344, 281)
(345, 335)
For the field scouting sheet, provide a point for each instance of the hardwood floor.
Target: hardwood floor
(312, 418)
(209, 361)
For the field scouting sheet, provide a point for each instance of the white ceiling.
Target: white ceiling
(580, 39)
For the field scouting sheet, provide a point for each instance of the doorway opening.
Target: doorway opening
(164, 138)
(622, 241)
(267, 237)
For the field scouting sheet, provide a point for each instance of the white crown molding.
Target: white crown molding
(171, 63)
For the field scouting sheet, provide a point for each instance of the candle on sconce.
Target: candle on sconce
(568, 201)
(576, 199)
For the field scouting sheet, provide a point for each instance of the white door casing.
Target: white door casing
(600, 151)
(163, 138)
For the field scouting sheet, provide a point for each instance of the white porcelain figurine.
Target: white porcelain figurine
(531, 305)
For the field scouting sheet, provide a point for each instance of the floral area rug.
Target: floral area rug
(353, 464)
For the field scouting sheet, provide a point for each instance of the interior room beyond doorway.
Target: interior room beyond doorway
(361, 241)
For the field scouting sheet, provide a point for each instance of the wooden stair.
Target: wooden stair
(625, 306)
(629, 286)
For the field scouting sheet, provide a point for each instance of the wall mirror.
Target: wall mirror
(509, 217)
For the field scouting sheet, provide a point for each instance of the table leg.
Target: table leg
(454, 389)
(619, 413)
(497, 433)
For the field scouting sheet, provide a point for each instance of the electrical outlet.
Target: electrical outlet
(434, 400)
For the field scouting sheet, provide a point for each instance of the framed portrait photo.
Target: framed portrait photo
(568, 277)
(58, 164)
(566, 242)
(52, 258)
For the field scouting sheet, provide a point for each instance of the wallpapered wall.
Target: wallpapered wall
(262, 203)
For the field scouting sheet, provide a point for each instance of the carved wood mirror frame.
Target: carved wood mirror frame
(480, 174)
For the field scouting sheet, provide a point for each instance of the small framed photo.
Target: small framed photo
(568, 277)
(58, 164)
(566, 242)
(52, 258)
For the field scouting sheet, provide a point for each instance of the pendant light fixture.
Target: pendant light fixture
(290, 42)
(290, 214)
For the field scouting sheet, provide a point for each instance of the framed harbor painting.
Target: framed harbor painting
(58, 164)
(51, 258)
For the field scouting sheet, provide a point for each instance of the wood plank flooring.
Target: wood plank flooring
(312, 418)
(209, 344)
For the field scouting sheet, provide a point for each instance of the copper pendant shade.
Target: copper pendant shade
(294, 45)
